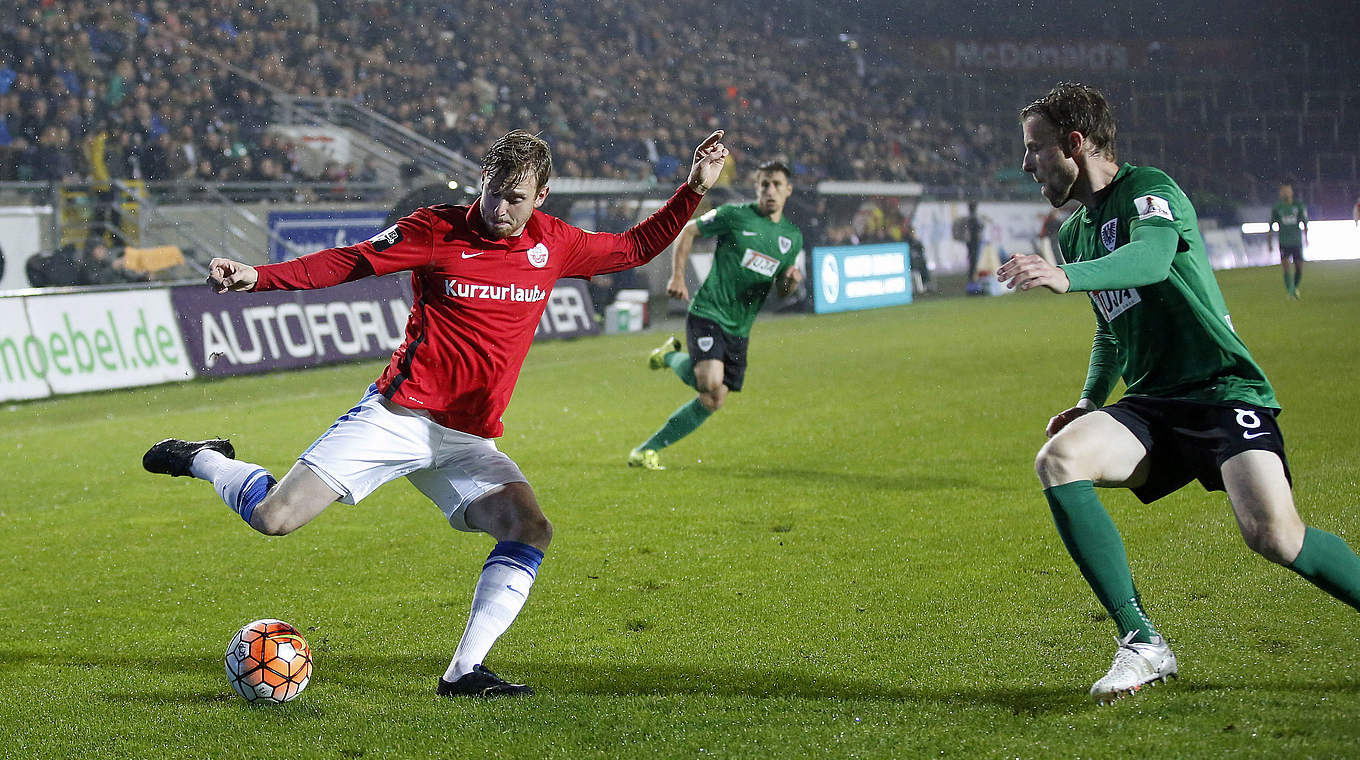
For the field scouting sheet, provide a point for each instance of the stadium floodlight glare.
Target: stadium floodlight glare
(1328, 240)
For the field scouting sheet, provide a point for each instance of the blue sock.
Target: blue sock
(514, 553)
(241, 485)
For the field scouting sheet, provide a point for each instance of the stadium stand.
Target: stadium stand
(182, 91)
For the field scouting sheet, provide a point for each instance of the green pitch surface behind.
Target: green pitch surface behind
(853, 559)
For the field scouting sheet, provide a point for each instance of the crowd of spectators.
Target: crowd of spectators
(157, 90)
(141, 89)
(93, 91)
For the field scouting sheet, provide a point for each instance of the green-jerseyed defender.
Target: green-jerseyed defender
(756, 247)
(1196, 405)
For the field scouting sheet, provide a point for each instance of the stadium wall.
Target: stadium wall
(73, 342)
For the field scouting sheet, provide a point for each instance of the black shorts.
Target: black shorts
(1190, 441)
(1288, 252)
(706, 340)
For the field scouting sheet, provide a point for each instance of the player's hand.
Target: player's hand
(1062, 419)
(1026, 270)
(676, 289)
(225, 274)
(709, 159)
(789, 282)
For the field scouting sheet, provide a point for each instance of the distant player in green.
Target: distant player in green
(1291, 219)
(1196, 407)
(756, 247)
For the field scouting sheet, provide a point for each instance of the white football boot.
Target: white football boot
(1135, 664)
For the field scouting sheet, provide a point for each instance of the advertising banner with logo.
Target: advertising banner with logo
(237, 333)
(90, 341)
(260, 332)
(850, 277)
(308, 231)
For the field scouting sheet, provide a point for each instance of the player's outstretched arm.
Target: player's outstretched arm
(1025, 271)
(225, 275)
(709, 159)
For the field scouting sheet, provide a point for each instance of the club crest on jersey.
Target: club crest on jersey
(785, 244)
(1109, 234)
(538, 255)
(1149, 206)
(386, 239)
(705, 343)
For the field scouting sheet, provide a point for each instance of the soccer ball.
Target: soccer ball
(268, 661)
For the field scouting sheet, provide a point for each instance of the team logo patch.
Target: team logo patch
(386, 239)
(1149, 206)
(1109, 234)
(705, 343)
(785, 244)
(538, 255)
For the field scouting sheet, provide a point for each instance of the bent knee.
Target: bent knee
(535, 531)
(1277, 544)
(1057, 463)
(272, 522)
(274, 516)
(713, 401)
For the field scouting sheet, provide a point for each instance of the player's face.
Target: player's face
(1287, 193)
(772, 192)
(1053, 169)
(505, 210)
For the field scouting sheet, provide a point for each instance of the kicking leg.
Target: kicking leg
(1270, 524)
(266, 505)
(511, 515)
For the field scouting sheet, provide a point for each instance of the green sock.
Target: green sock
(682, 366)
(1298, 276)
(1094, 543)
(1328, 563)
(682, 422)
(1288, 281)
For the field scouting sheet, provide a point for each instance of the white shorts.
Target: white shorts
(378, 441)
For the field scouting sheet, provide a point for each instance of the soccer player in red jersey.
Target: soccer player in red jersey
(481, 276)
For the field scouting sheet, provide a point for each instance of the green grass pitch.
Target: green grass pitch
(852, 560)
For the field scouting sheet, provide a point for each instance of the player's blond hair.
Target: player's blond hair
(517, 155)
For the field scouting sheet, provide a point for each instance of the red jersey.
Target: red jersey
(477, 301)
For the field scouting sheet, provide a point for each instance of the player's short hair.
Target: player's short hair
(517, 155)
(1075, 107)
(776, 166)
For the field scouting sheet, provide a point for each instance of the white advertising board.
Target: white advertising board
(91, 341)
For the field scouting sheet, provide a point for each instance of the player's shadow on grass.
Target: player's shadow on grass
(862, 481)
(632, 680)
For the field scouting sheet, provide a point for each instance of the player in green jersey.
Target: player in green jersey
(1291, 219)
(1196, 407)
(756, 246)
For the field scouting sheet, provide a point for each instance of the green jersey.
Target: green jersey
(752, 252)
(1171, 338)
(1289, 218)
